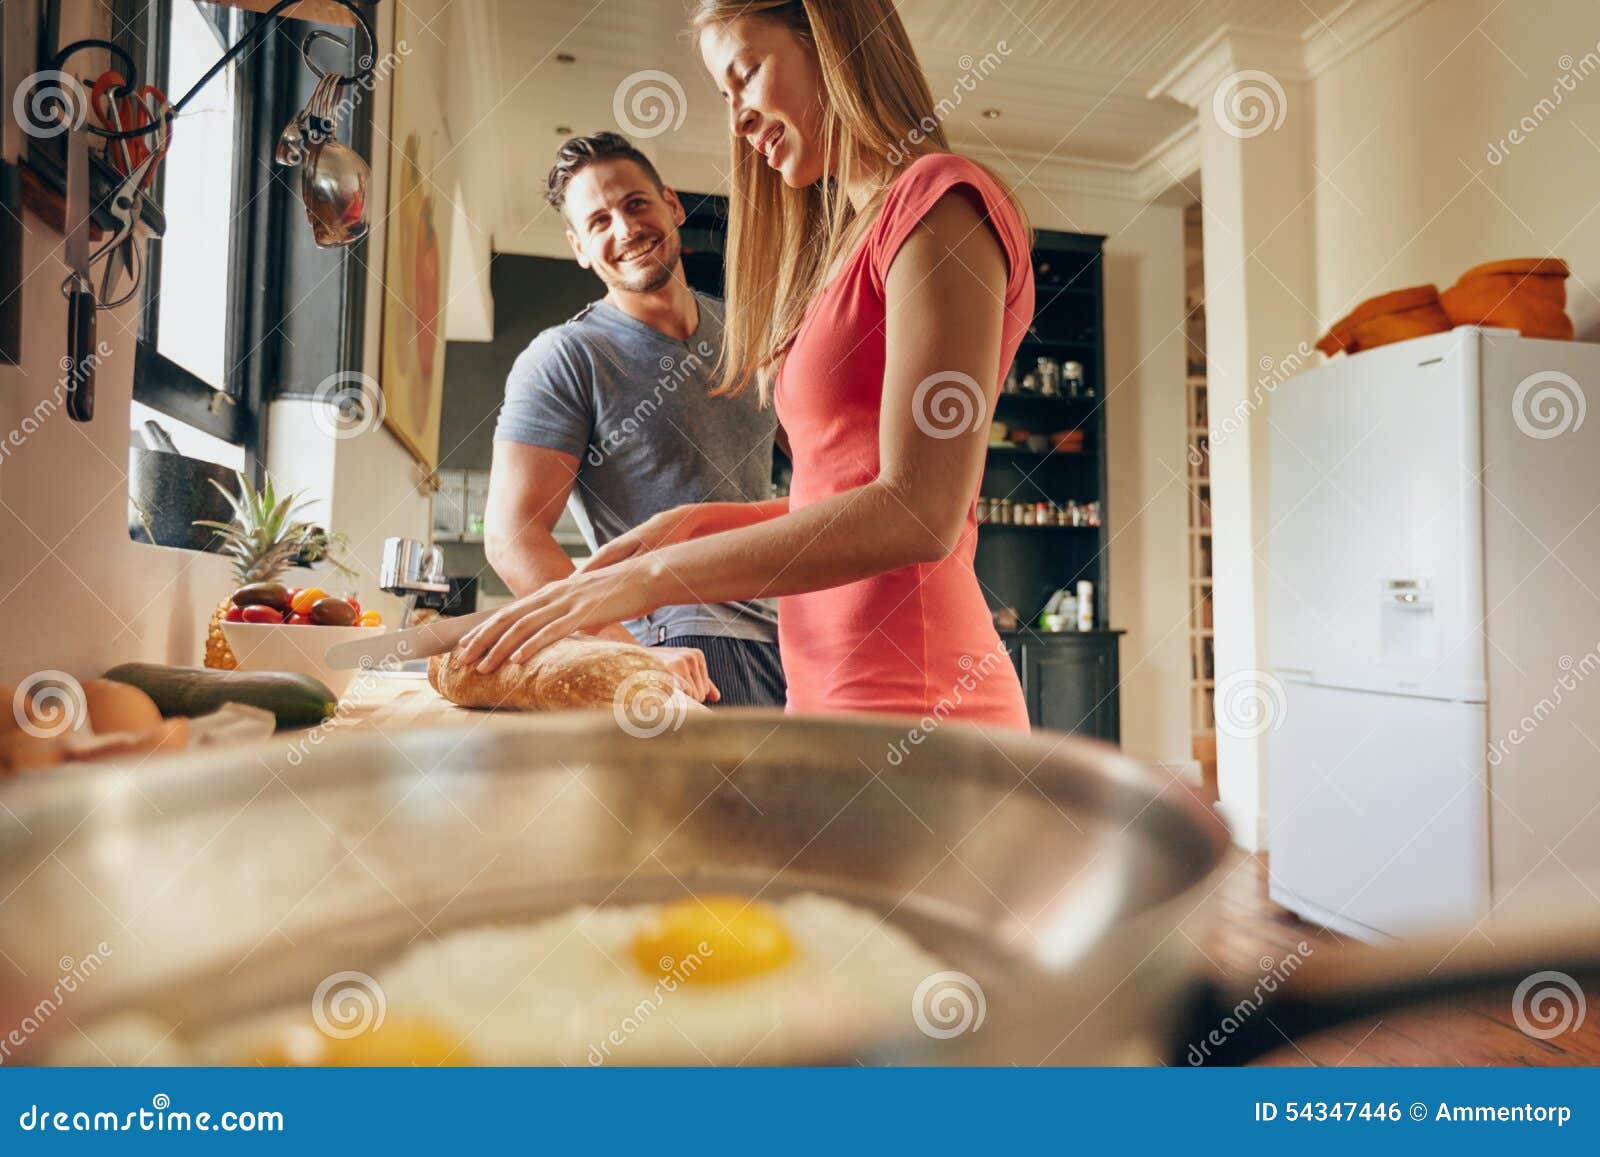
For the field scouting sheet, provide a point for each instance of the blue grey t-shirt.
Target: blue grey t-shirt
(634, 406)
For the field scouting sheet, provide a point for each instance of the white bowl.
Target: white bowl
(299, 647)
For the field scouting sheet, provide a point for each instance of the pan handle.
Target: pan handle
(1336, 986)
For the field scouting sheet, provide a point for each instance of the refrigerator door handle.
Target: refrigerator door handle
(1296, 674)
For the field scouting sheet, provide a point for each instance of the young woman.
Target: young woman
(877, 289)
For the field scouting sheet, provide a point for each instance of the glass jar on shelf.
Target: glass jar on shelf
(1049, 374)
(1072, 379)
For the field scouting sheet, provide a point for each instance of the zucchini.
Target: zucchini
(295, 700)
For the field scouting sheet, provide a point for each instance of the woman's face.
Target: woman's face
(773, 85)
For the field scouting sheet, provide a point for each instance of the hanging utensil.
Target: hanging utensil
(334, 178)
(77, 287)
(306, 126)
(333, 185)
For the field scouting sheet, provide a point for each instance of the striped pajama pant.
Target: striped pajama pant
(747, 673)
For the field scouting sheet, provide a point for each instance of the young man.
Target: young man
(612, 412)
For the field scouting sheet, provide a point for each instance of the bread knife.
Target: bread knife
(388, 649)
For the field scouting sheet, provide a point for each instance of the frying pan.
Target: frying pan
(1070, 886)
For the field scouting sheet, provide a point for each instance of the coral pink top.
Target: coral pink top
(919, 640)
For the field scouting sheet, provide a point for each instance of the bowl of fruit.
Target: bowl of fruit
(273, 627)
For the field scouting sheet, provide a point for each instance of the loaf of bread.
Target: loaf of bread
(577, 672)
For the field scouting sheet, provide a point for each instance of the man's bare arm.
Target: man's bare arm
(528, 489)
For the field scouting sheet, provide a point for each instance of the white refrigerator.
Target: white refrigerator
(1434, 559)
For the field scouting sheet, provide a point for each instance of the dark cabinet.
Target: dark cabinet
(1070, 681)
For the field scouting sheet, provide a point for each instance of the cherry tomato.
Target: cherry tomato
(351, 599)
(294, 593)
(235, 614)
(303, 599)
(300, 620)
(259, 614)
(370, 619)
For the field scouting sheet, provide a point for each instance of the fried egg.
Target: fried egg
(713, 979)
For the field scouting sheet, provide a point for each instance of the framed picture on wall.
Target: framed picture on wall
(421, 187)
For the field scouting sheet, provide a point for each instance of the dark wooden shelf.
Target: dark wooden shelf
(1065, 401)
(1008, 452)
(1046, 528)
(1034, 341)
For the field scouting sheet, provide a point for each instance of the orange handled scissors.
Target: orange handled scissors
(120, 109)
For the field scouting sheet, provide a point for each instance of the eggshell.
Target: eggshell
(115, 707)
(20, 751)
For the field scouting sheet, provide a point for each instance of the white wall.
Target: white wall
(1394, 165)
(1403, 135)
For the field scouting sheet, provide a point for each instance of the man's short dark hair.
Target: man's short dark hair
(578, 153)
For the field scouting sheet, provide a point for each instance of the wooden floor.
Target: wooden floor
(1253, 930)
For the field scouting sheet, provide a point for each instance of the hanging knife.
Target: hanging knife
(78, 288)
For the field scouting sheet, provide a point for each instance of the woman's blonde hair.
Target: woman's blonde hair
(781, 241)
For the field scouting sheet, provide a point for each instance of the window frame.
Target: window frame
(270, 75)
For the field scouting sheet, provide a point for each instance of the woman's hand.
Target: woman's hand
(688, 667)
(530, 624)
(678, 524)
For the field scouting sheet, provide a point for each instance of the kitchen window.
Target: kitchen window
(238, 303)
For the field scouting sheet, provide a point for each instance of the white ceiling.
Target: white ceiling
(1069, 77)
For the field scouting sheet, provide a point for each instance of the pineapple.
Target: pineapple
(264, 540)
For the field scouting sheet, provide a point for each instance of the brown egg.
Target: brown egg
(50, 706)
(20, 751)
(115, 707)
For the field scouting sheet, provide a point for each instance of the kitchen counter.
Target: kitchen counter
(388, 701)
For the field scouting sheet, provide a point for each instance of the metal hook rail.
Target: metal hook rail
(130, 71)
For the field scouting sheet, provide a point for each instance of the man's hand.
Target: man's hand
(688, 667)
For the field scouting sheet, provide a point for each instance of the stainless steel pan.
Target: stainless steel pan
(1069, 883)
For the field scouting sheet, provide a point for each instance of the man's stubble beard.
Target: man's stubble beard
(651, 279)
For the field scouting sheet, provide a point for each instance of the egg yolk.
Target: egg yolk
(399, 1041)
(712, 940)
